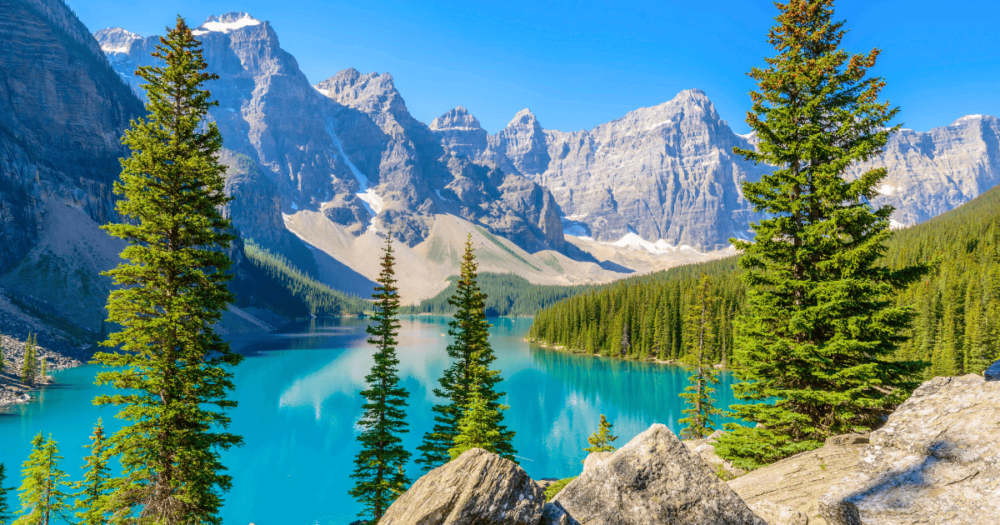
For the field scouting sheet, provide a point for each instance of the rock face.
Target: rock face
(936, 460)
(666, 172)
(62, 111)
(348, 147)
(476, 488)
(787, 491)
(652, 479)
(938, 170)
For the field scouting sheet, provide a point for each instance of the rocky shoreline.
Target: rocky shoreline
(12, 390)
(934, 461)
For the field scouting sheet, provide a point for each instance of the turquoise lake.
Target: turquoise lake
(298, 394)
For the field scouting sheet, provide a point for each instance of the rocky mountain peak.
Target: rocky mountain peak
(226, 23)
(374, 94)
(456, 119)
(524, 119)
(116, 39)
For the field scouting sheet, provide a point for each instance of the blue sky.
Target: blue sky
(579, 63)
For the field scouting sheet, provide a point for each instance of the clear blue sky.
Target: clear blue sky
(577, 64)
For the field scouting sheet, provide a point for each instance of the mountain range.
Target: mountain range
(320, 173)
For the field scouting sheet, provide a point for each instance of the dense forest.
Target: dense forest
(506, 295)
(271, 281)
(957, 328)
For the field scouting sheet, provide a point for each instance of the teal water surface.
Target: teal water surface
(298, 394)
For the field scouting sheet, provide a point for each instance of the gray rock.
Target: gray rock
(476, 488)
(938, 170)
(798, 481)
(847, 440)
(652, 479)
(775, 514)
(993, 372)
(936, 460)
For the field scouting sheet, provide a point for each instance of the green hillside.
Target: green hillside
(506, 295)
(267, 280)
(957, 329)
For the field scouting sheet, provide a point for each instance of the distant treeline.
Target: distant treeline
(957, 328)
(270, 281)
(506, 295)
(643, 317)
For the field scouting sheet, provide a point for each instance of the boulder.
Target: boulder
(936, 460)
(993, 372)
(652, 479)
(478, 488)
(797, 482)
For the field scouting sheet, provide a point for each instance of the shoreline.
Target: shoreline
(650, 359)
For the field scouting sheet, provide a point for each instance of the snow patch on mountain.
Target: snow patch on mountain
(633, 241)
(371, 200)
(115, 40)
(226, 23)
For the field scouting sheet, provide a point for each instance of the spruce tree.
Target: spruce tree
(470, 371)
(479, 426)
(42, 496)
(602, 438)
(171, 370)
(93, 489)
(29, 366)
(817, 336)
(5, 515)
(698, 395)
(43, 370)
(378, 474)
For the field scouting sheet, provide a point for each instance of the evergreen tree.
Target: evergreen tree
(470, 371)
(29, 367)
(93, 489)
(379, 465)
(42, 496)
(819, 328)
(601, 440)
(172, 371)
(479, 427)
(43, 371)
(5, 515)
(699, 393)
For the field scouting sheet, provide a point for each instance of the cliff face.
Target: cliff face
(62, 110)
(938, 170)
(666, 172)
(347, 148)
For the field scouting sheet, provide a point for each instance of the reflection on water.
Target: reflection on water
(298, 394)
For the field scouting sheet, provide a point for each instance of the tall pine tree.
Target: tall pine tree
(5, 515)
(171, 370)
(470, 371)
(819, 328)
(698, 395)
(94, 487)
(378, 472)
(42, 497)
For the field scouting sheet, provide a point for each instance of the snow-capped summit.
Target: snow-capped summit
(116, 39)
(226, 23)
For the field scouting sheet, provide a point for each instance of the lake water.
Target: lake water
(298, 394)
